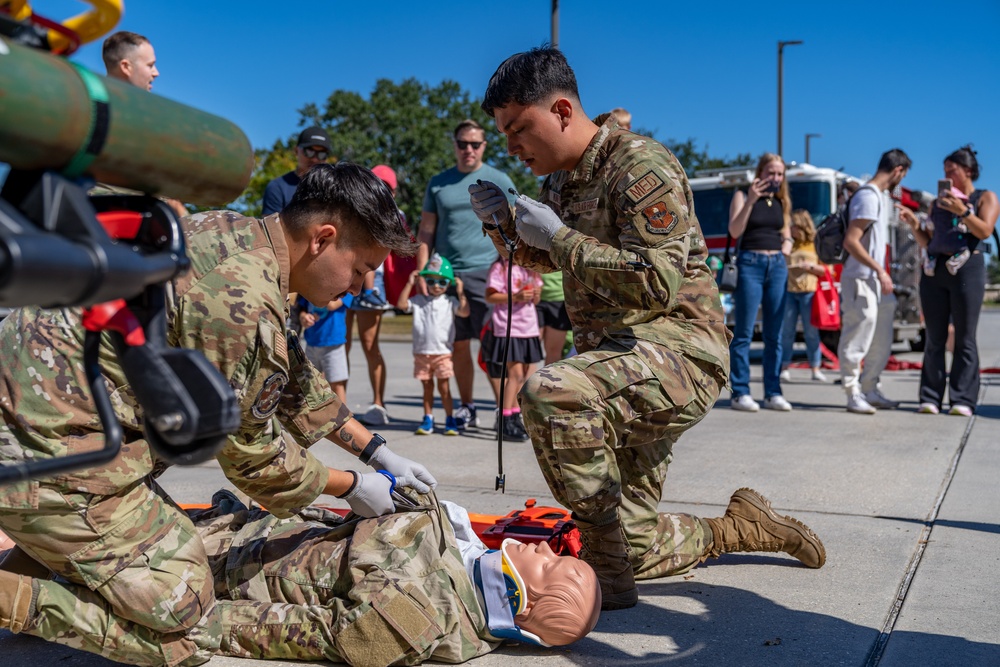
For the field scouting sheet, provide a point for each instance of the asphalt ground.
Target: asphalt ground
(906, 504)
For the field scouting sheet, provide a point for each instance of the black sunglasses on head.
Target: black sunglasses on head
(462, 145)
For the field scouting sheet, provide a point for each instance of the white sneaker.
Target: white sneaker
(785, 375)
(928, 409)
(777, 402)
(818, 375)
(878, 400)
(857, 404)
(375, 415)
(744, 403)
(960, 411)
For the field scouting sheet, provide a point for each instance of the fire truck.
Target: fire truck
(815, 189)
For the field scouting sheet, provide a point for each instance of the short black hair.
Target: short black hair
(355, 197)
(894, 158)
(966, 157)
(119, 47)
(530, 77)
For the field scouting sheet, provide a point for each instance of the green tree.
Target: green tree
(406, 125)
(693, 158)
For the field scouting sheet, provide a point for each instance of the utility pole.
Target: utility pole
(781, 49)
(555, 24)
(808, 137)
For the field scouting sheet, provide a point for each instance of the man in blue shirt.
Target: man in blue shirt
(449, 227)
(313, 148)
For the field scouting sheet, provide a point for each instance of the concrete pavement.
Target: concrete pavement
(906, 504)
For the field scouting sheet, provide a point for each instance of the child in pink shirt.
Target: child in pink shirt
(525, 343)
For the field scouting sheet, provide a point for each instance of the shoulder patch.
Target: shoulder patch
(643, 187)
(658, 219)
(584, 206)
(270, 393)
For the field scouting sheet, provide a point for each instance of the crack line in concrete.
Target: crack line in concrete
(878, 650)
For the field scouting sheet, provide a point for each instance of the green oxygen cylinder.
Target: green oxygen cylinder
(57, 115)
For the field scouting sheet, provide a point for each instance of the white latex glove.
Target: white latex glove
(371, 495)
(407, 473)
(487, 198)
(536, 223)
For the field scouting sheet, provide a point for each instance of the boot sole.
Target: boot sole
(764, 505)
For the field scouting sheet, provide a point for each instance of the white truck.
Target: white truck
(815, 189)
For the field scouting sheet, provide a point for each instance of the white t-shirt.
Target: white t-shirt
(433, 323)
(869, 203)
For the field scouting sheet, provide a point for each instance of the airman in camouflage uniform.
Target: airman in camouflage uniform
(135, 570)
(617, 217)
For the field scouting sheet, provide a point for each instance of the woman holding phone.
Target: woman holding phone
(953, 285)
(760, 219)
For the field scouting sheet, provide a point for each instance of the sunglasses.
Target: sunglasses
(319, 154)
(462, 145)
(437, 282)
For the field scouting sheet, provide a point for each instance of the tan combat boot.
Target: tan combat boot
(751, 525)
(604, 549)
(15, 601)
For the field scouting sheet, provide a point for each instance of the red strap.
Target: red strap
(115, 316)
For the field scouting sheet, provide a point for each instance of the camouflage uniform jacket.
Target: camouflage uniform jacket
(369, 592)
(632, 252)
(231, 306)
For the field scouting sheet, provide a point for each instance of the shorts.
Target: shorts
(428, 366)
(332, 361)
(522, 350)
(474, 287)
(553, 314)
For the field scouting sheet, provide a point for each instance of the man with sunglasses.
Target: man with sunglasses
(312, 149)
(449, 227)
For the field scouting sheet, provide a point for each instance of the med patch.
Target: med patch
(643, 186)
(270, 393)
(658, 219)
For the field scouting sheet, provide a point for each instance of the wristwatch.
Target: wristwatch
(968, 212)
(373, 444)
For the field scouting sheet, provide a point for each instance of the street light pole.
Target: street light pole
(781, 49)
(555, 24)
(808, 137)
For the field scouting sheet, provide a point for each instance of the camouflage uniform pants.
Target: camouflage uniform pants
(135, 585)
(603, 425)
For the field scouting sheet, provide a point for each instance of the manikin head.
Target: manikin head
(557, 598)
(130, 57)
(340, 225)
(534, 100)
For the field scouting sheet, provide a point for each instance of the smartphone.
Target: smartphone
(770, 187)
(944, 187)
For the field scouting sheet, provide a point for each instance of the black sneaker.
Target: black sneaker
(512, 429)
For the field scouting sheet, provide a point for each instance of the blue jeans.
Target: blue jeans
(762, 281)
(799, 304)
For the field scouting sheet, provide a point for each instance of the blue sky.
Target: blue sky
(917, 75)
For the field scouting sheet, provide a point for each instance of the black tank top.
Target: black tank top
(763, 230)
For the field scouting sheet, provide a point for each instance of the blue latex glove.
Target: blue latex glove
(407, 473)
(536, 223)
(488, 199)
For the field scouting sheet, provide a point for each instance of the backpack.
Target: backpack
(830, 233)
